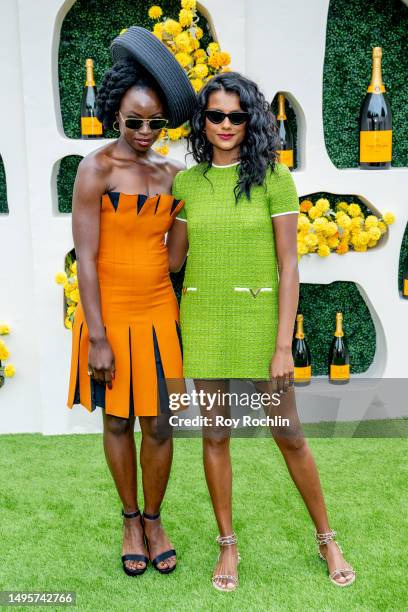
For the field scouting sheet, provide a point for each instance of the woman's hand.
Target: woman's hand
(281, 369)
(101, 361)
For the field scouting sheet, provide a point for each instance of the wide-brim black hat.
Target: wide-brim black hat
(143, 47)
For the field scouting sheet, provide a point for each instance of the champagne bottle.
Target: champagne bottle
(339, 361)
(285, 150)
(405, 279)
(301, 355)
(91, 127)
(376, 121)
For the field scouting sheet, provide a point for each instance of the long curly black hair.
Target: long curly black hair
(257, 152)
(115, 83)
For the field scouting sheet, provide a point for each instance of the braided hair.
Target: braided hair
(123, 75)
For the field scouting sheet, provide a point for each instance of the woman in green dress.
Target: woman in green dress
(241, 291)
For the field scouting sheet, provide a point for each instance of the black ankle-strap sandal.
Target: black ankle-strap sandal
(164, 555)
(133, 556)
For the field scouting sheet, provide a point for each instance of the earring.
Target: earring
(116, 128)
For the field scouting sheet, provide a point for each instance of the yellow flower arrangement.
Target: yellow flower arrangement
(182, 37)
(69, 281)
(8, 370)
(324, 227)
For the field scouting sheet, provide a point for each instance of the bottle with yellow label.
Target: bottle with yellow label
(301, 355)
(405, 279)
(376, 121)
(91, 127)
(285, 146)
(339, 360)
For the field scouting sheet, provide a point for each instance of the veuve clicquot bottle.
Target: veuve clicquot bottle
(301, 355)
(376, 121)
(405, 279)
(339, 360)
(285, 150)
(91, 127)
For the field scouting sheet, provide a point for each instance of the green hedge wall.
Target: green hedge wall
(353, 28)
(3, 189)
(65, 181)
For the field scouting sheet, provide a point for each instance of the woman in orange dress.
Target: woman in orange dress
(126, 338)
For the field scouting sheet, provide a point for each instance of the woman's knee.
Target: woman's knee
(117, 426)
(291, 442)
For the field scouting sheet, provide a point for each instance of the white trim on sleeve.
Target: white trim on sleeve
(289, 212)
(181, 219)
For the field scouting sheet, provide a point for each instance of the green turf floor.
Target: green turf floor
(61, 529)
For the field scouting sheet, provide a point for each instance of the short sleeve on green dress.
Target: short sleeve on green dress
(177, 192)
(282, 195)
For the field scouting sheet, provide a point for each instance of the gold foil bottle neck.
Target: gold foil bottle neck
(299, 327)
(281, 107)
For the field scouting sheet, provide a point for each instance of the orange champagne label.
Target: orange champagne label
(376, 146)
(303, 373)
(405, 290)
(286, 157)
(91, 126)
(340, 371)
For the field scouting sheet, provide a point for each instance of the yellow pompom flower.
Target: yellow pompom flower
(331, 229)
(184, 131)
(185, 17)
(342, 206)
(74, 295)
(213, 47)
(302, 248)
(320, 224)
(372, 243)
(364, 238)
(374, 233)
(194, 44)
(197, 84)
(361, 248)
(356, 223)
(305, 206)
(388, 217)
(344, 221)
(183, 42)
(333, 242)
(198, 32)
(224, 58)
(200, 71)
(342, 248)
(303, 223)
(4, 330)
(184, 59)
(214, 60)
(164, 150)
(4, 352)
(9, 370)
(382, 227)
(322, 204)
(174, 134)
(354, 210)
(172, 27)
(371, 221)
(190, 5)
(314, 212)
(61, 278)
(323, 250)
(311, 241)
(71, 310)
(200, 56)
(155, 12)
(158, 30)
(68, 323)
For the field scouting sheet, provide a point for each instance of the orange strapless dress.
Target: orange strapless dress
(139, 307)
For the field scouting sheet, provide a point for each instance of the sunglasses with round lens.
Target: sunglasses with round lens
(236, 117)
(134, 123)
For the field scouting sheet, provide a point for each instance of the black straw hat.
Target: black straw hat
(142, 46)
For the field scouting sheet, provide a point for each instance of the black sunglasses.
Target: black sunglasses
(134, 123)
(236, 117)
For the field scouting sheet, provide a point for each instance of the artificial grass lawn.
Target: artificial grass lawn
(61, 527)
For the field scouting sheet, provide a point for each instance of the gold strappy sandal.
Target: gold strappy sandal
(229, 540)
(325, 538)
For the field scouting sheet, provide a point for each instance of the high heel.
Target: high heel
(325, 538)
(133, 556)
(229, 540)
(164, 555)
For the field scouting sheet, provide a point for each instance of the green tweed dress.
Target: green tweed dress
(229, 303)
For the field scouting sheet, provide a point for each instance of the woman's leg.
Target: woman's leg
(120, 453)
(303, 470)
(218, 474)
(156, 454)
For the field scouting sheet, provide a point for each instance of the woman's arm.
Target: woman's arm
(177, 245)
(90, 184)
(285, 230)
